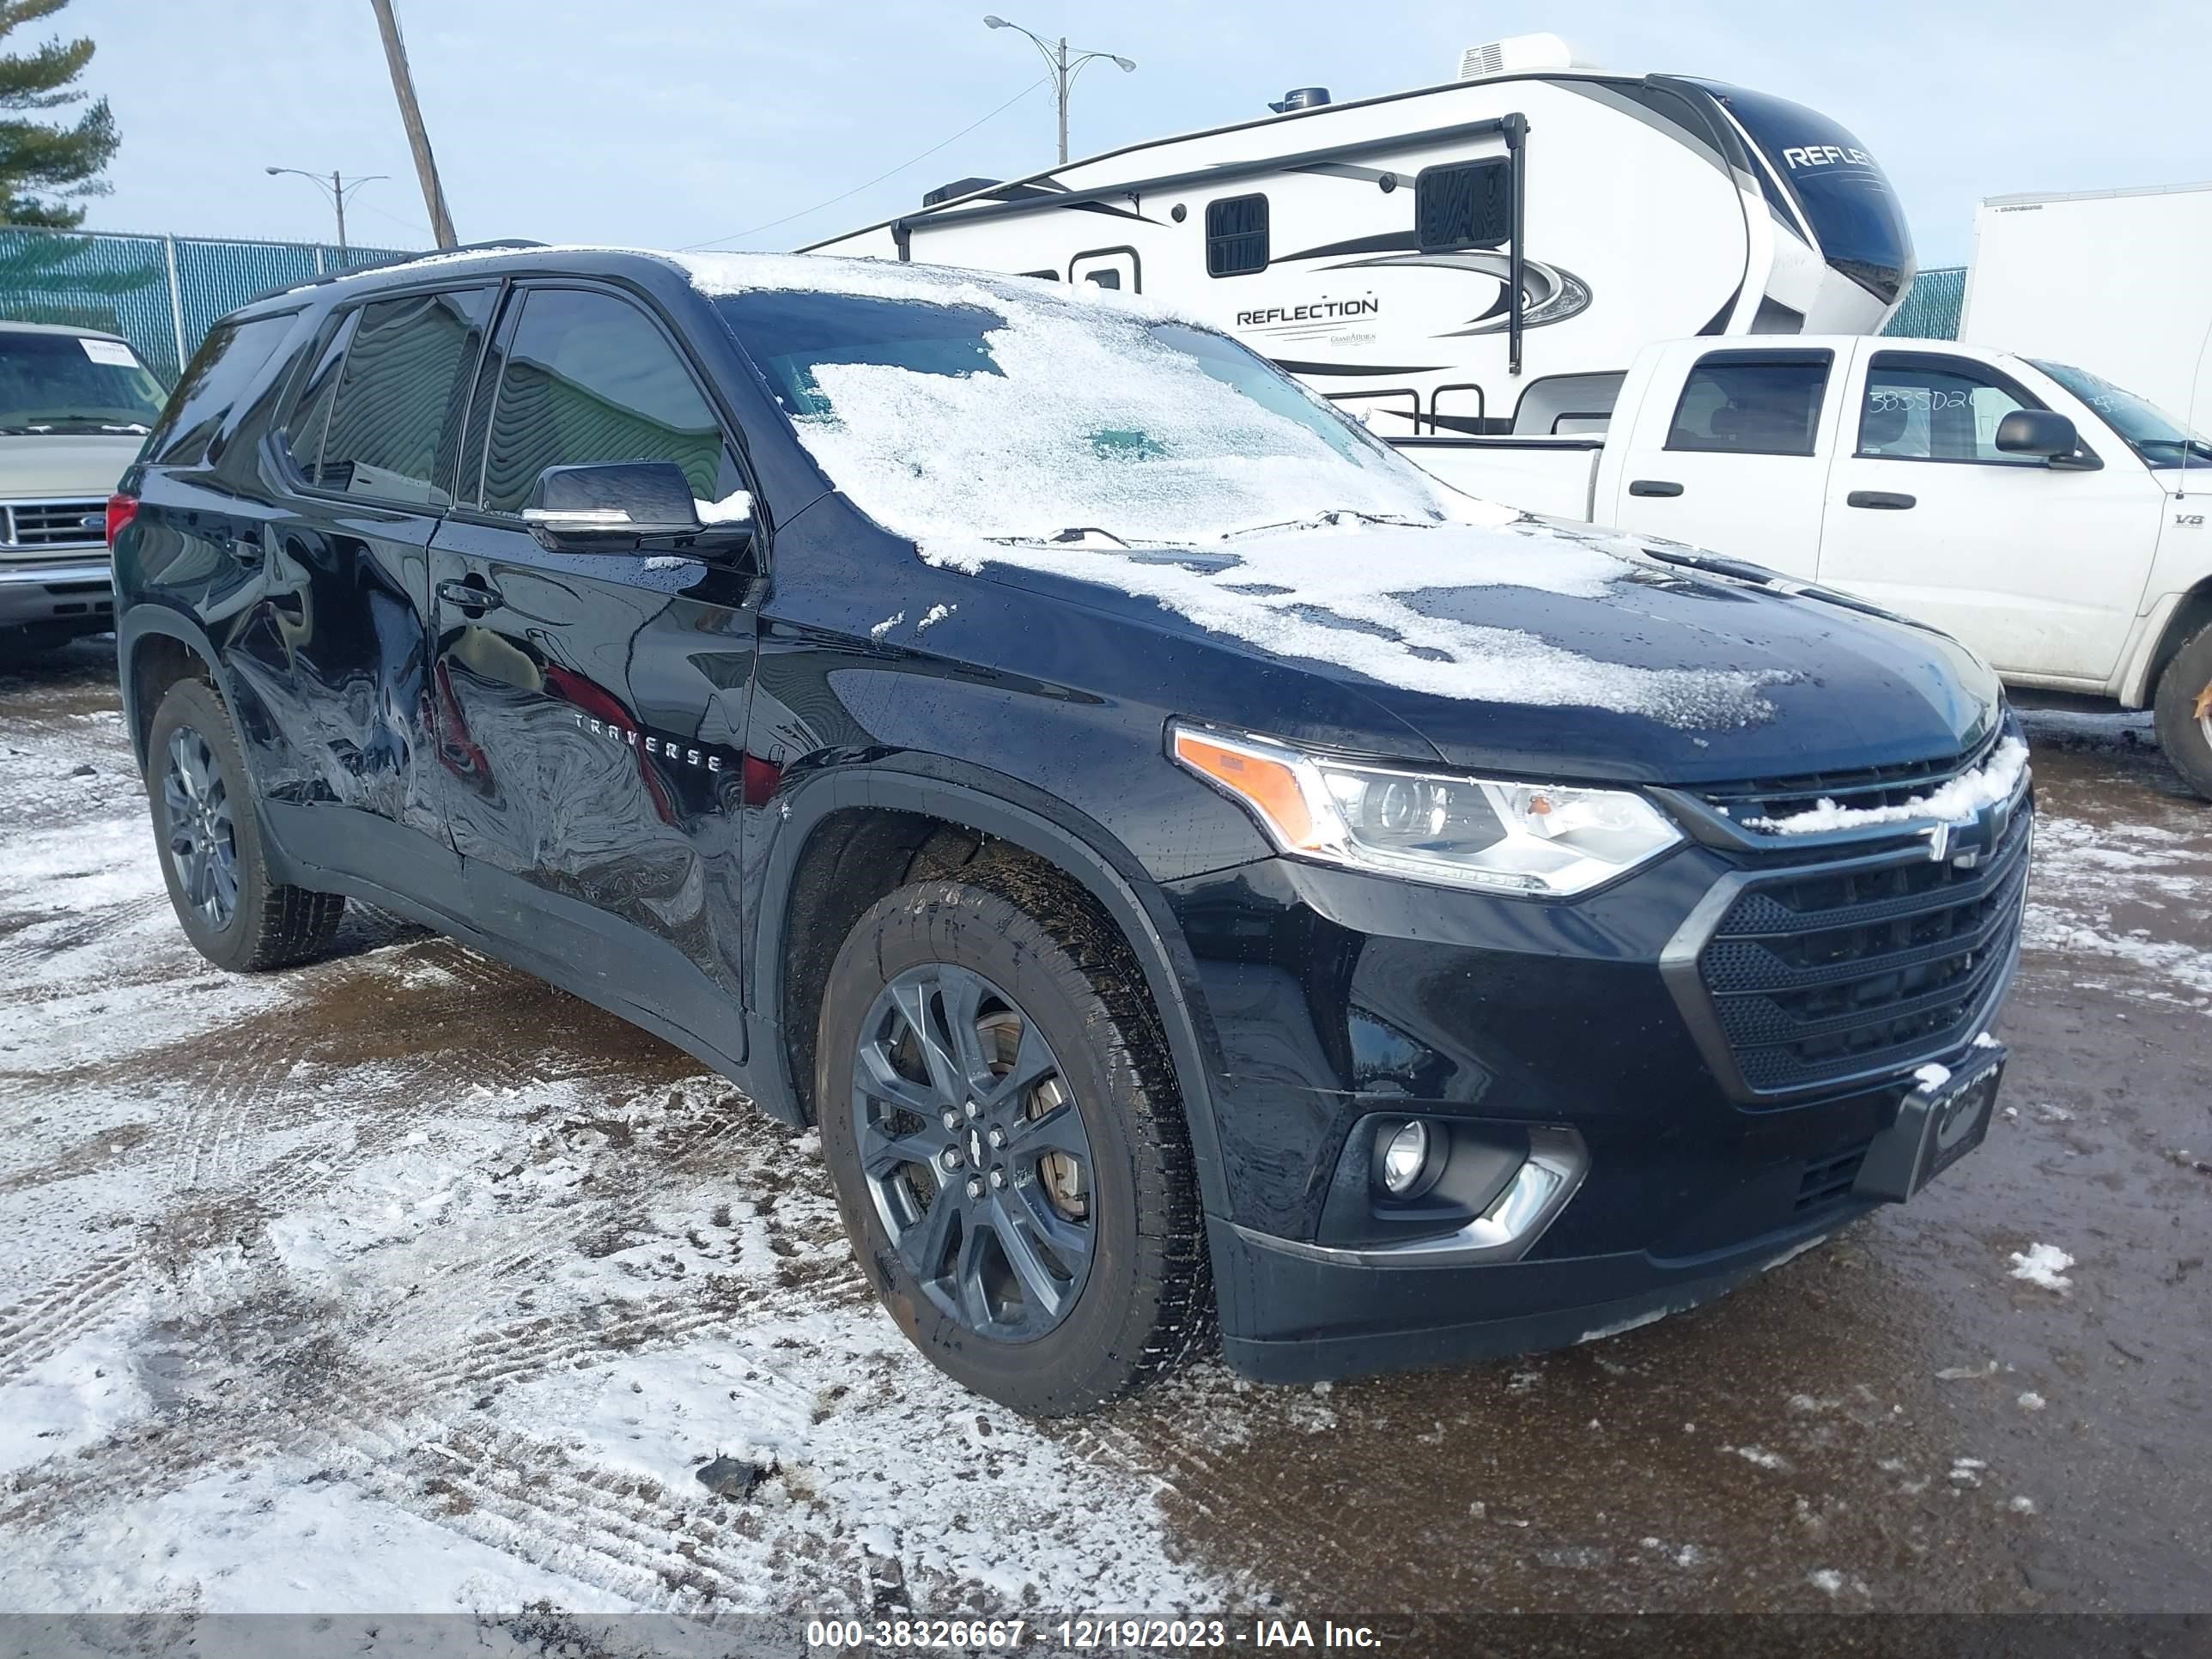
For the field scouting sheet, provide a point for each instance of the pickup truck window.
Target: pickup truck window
(1737, 404)
(1944, 409)
(2153, 434)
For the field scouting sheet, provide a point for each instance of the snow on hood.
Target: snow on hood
(1347, 594)
(1232, 497)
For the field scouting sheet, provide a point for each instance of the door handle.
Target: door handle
(247, 548)
(471, 594)
(1654, 487)
(1880, 498)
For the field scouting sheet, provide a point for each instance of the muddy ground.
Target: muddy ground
(405, 1281)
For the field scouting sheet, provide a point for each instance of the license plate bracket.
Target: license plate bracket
(1937, 1124)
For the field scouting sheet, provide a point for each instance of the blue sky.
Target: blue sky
(674, 122)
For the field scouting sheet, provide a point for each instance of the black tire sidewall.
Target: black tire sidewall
(1092, 1354)
(196, 704)
(2178, 733)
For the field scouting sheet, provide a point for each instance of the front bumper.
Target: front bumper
(1312, 1320)
(1339, 1000)
(78, 591)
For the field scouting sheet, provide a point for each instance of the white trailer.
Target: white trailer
(2116, 279)
(1481, 257)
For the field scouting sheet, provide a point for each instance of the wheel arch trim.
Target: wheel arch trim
(1075, 844)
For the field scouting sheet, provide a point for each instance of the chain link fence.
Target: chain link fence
(1931, 311)
(159, 293)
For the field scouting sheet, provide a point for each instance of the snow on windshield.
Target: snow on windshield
(1099, 437)
(952, 405)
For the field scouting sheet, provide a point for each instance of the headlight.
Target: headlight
(1428, 826)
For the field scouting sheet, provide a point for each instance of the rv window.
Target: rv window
(1742, 405)
(1237, 236)
(1469, 205)
(1947, 410)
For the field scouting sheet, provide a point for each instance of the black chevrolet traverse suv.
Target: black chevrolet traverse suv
(1191, 866)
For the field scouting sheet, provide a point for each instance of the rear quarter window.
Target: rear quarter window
(219, 373)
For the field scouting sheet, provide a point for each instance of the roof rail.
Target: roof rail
(392, 263)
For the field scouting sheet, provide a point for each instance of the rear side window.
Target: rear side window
(1237, 236)
(1469, 205)
(1916, 409)
(395, 421)
(1745, 406)
(590, 378)
(219, 371)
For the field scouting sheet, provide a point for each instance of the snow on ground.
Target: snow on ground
(308, 1305)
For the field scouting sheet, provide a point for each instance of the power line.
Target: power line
(739, 236)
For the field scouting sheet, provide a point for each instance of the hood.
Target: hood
(64, 467)
(1532, 649)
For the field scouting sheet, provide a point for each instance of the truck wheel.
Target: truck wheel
(209, 841)
(2184, 712)
(1008, 1146)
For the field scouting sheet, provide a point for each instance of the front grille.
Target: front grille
(1756, 799)
(56, 524)
(1814, 975)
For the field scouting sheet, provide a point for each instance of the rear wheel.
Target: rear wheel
(1007, 1144)
(2184, 712)
(209, 841)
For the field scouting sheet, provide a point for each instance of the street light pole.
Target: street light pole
(1064, 67)
(337, 189)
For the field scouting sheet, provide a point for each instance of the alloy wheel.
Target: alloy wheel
(973, 1152)
(202, 835)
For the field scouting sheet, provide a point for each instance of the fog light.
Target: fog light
(1404, 1158)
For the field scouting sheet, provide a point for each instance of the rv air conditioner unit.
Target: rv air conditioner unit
(1518, 54)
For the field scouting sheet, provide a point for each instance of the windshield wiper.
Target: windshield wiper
(72, 424)
(2180, 446)
(1333, 516)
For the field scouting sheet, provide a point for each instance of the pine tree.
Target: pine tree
(45, 167)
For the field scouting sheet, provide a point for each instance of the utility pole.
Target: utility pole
(410, 113)
(336, 190)
(1064, 67)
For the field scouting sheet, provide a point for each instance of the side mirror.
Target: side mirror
(621, 506)
(2037, 432)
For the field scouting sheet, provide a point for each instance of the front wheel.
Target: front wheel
(2184, 712)
(209, 842)
(1007, 1144)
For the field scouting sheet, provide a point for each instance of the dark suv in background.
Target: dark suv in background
(1185, 860)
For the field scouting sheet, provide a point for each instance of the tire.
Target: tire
(196, 788)
(2184, 712)
(1016, 954)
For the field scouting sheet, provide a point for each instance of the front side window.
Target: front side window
(1468, 204)
(1943, 411)
(1746, 405)
(1237, 236)
(396, 419)
(590, 378)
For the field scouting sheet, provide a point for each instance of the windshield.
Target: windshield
(948, 406)
(1843, 193)
(2148, 430)
(74, 383)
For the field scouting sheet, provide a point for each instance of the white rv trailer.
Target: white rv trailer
(1482, 257)
(2117, 281)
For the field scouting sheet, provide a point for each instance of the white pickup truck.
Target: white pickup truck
(2052, 521)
